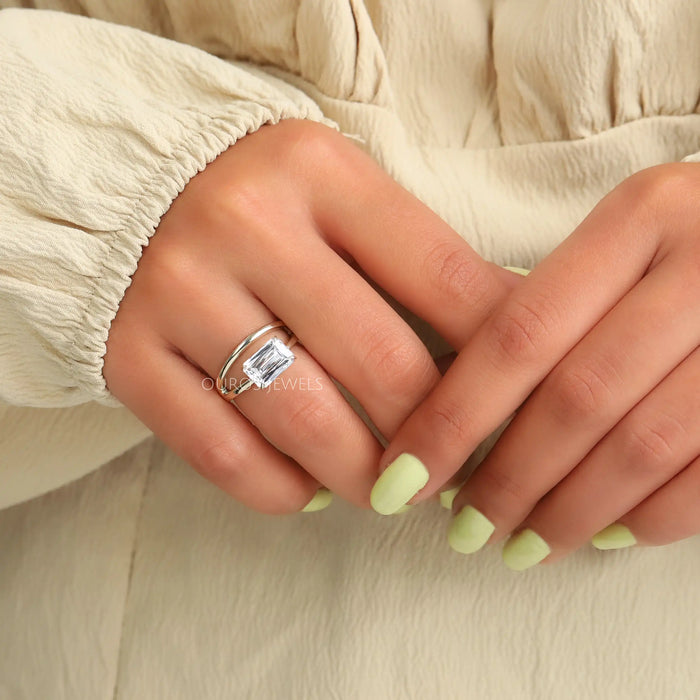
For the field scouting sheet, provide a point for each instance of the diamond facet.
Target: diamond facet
(267, 363)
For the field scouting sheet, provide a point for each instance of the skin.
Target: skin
(291, 222)
(597, 351)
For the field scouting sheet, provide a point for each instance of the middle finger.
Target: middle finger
(347, 326)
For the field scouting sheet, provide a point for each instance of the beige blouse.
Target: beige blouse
(511, 119)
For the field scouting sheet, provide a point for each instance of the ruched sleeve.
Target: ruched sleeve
(101, 127)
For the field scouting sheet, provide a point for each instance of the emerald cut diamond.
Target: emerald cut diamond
(267, 363)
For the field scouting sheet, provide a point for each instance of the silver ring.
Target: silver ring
(264, 365)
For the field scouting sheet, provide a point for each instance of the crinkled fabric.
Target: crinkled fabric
(141, 580)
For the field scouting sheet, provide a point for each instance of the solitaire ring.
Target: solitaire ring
(263, 366)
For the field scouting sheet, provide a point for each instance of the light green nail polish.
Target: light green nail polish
(322, 499)
(398, 484)
(519, 270)
(524, 550)
(404, 509)
(615, 536)
(447, 497)
(469, 530)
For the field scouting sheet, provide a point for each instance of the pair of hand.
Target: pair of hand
(597, 347)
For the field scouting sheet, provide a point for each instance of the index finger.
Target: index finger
(528, 333)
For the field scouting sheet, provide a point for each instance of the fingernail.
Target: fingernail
(524, 550)
(519, 270)
(322, 499)
(469, 530)
(615, 536)
(447, 497)
(398, 484)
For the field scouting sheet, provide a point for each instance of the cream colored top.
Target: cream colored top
(509, 118)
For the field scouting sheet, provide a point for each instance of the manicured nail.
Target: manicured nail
(469, 530)
(404, 509)
(447, 497)
(398, 484)
(322, 499)
(524, 550)
(519, 270)
(615, 536)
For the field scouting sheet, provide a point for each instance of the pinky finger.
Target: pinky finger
(669, 514)
(214, 438)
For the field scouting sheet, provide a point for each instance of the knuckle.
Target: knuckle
(649, 446)
(247, 212)
(400, 365)
(245, 200)
(660, 181)
(449, 423)
(511, 337)
(501, 486)
(305, 145)
(222, 461)
(458, 277)
(519, 333)
(577, 395)
(313, 420)
(172, 271)
(661, 189)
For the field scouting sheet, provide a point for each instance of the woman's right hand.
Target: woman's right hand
(271, 229)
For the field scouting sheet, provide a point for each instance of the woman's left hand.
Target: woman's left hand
(599, 349)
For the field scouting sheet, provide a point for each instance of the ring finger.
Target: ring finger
(303, 413)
